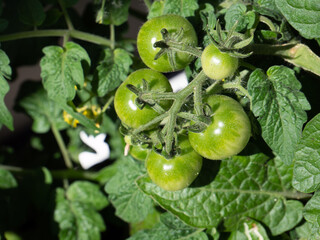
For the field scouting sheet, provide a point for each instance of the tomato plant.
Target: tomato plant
(216, 64)
(150, 33)
(228, 133)
(125, 104)
(90, 95)
(174, 173)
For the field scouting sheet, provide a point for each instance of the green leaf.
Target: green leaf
(113, 12)
(7, 180)
(131, 204)
(208, 17)
(280, 107)
(31, 12)
(312, 210)
(306, 231)
(44, 111)
(77, 220)
(248, 227)
(254, 186)
(86, 192)
(237, 14)
(170, 228)
(303, 15)
(113, 70)
(184, 8)
(61, 70)
(5, 73)
(306, 174)
(268, 8)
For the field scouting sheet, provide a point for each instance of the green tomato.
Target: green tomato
(218, 65)
(150, 33)
(175, 173)
(125, 100)
(228, 133)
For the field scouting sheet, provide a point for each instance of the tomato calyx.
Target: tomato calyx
(231, 42)
(171, 44)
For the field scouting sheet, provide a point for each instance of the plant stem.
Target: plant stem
(62, 146)
(58, 174)
(112, 36)
(198, 100)
(108, 103)
(298, 54)
(88, 37)
(66, 15)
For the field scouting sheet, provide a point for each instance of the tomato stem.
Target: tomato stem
(62, 146)
(66, 15)
(88, 37)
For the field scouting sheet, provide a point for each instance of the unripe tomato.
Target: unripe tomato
(175, 173)
(218, 65)
(125, 100)
(228, 133)
(150, 33)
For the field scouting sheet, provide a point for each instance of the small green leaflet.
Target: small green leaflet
(237, 14)
(44, 111)
(268, 8)
(87, 192)
(7, 180)
(280, 107)
(303, 15)
(31, 12)
(184, 8)
(77, 220)
(61, 70)
(170, 228)
(5, 73)
(112, 11)
(306, 173)
(312, 213)
(131, 204)
(112, 70)
(208, 17)
(253, 186)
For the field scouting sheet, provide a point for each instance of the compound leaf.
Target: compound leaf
(86, 192)
(114, 12)
(5, 73)
(184, 8)
(253, 186)
(306, 174)
(237, 14)
(61, 70)
(44, 111)
(170, 228)
(280, 107)
(77, 220)
(303, 15)
(131, 204)
(113, 70)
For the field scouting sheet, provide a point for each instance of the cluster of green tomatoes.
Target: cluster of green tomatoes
(229, 129)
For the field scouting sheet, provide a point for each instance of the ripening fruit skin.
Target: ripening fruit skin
(150, 33)
(177, 172)
(125, 100)
(218, 65)
(229, 132)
